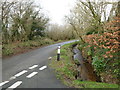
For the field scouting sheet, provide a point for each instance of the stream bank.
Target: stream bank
(68, 70)
(85, 69)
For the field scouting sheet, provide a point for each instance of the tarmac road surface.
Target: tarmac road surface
(31, 70)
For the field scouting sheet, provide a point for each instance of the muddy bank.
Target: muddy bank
(85, 69)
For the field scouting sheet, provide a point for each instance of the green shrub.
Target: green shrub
(76, 61)
(7, 51)
(92, 32)
(89, 52)
(98, 64)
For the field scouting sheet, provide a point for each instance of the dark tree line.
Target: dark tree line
(21, 21)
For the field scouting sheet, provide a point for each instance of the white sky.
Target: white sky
(56, 9)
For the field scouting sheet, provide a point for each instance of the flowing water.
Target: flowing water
(86, 70)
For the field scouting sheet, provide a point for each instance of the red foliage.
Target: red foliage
(110, 39)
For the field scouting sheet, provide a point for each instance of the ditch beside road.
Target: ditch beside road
(76, 73)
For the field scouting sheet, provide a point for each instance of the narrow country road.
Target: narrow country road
(31, 69)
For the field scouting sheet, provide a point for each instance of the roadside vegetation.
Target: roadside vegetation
(21, 47)
(99, 43)
(57, 32)
(25, 27)
(66, 70)
(102, 51)
(99, 36)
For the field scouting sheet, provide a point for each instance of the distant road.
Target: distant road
(31, 70)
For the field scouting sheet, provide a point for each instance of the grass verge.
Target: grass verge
(66, 71)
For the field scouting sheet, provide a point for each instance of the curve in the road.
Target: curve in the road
(30, 70)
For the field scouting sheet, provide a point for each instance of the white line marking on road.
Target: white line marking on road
(3, 83)
(43, 67)
(31, 75)
(34, 66)
(15, 85)
(12, 78)
(21, 73)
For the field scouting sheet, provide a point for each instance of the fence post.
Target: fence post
(58, 53)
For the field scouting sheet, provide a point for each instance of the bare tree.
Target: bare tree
(5, 14)
(86, 16)
(21, 21)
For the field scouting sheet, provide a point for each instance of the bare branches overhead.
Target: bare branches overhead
(88, 16)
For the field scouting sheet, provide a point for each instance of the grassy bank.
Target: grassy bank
(66, 70)
(21, 47)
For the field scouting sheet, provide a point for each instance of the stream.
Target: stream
(86, 71)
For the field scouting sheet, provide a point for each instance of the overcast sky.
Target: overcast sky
(57, 9)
